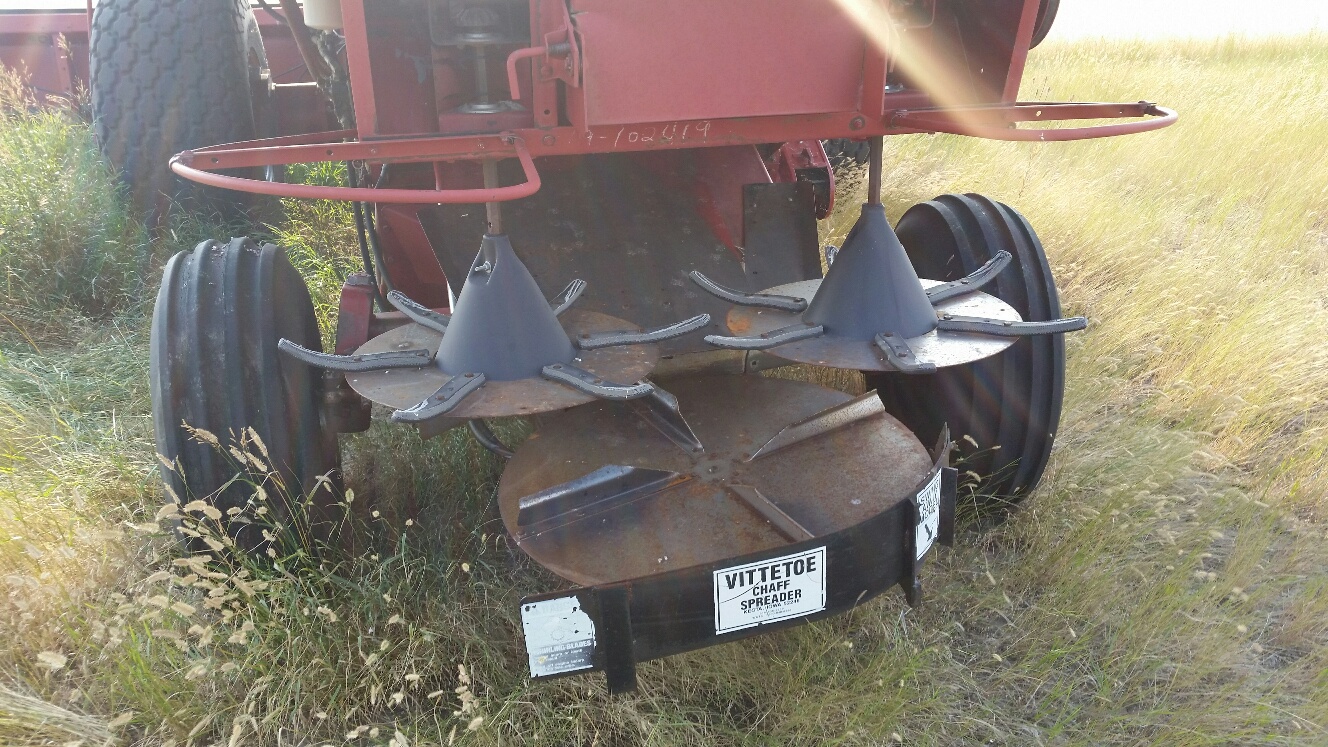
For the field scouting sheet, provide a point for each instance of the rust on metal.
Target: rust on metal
(824, 483)
(942, 349)
(403, 389)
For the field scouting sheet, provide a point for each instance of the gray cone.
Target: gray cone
(871, 287)
(502, 325)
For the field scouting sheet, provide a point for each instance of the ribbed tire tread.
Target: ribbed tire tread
(220, 313)
(1010, 404)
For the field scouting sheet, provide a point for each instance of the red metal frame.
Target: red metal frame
(964, 121)
(503, 145)
(50, 49)
(586, 79)
(998, 121)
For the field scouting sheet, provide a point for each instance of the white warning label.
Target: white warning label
(929, 516)
(769, 591)
(560, 636)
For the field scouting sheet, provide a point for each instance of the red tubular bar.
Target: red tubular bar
(513, 81)
(993, 122)
(181, 166)
(958, 121)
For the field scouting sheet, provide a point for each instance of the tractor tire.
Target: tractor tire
(216, 372)
(846, 155)
(1004, 411)
(1045, 18)
(168, 76)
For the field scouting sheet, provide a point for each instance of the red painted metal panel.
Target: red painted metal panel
(702, 59)
(49, 49)
(71, 23)
(1019, 56)
(721, 173)
(354, 314)
(301, 108)
(360, 66)
(411, 262)
(399, 56)
(795, 159)
(31, 42)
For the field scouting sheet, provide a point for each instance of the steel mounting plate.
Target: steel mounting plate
(404, 388)
(939, 348)
(827, 482)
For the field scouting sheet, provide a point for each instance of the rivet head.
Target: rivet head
(857, 123)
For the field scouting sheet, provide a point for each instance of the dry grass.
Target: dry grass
(1165, 586)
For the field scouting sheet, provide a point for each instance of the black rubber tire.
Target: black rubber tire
(220, 313)
(1009, 404)
(1045, 18)
(845, 155)
(167, 76)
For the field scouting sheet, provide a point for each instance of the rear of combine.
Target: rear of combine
(642, 183)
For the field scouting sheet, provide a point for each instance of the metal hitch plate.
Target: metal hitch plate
(590, 495)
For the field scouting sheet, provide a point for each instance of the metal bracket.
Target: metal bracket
(443, 401)
(829, 419)
(597, 340)
(486, 438)
(588, 383)
(661, 410)
(898, 354)
(783, 523)
(421, 315)
(767, 340)
(356, 363)
(758, 300)
(1003, 328)
(604, 489)
(980, 277)
(569, 296)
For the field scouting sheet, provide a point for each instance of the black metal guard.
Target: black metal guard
(610, 628)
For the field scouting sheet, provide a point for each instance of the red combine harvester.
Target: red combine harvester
(642, 180)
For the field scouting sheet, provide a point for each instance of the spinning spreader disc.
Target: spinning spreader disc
(937, 347)
(598, 495)
(400, 388)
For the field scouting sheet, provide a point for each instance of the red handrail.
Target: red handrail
(971, 120)
(368, 194)
(513, 80)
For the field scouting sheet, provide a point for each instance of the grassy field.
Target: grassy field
(1165, 586)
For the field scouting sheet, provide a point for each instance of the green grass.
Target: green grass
(1165, 586)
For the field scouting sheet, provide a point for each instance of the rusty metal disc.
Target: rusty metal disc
(841, 475)
(405, 388)
(940, 348)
